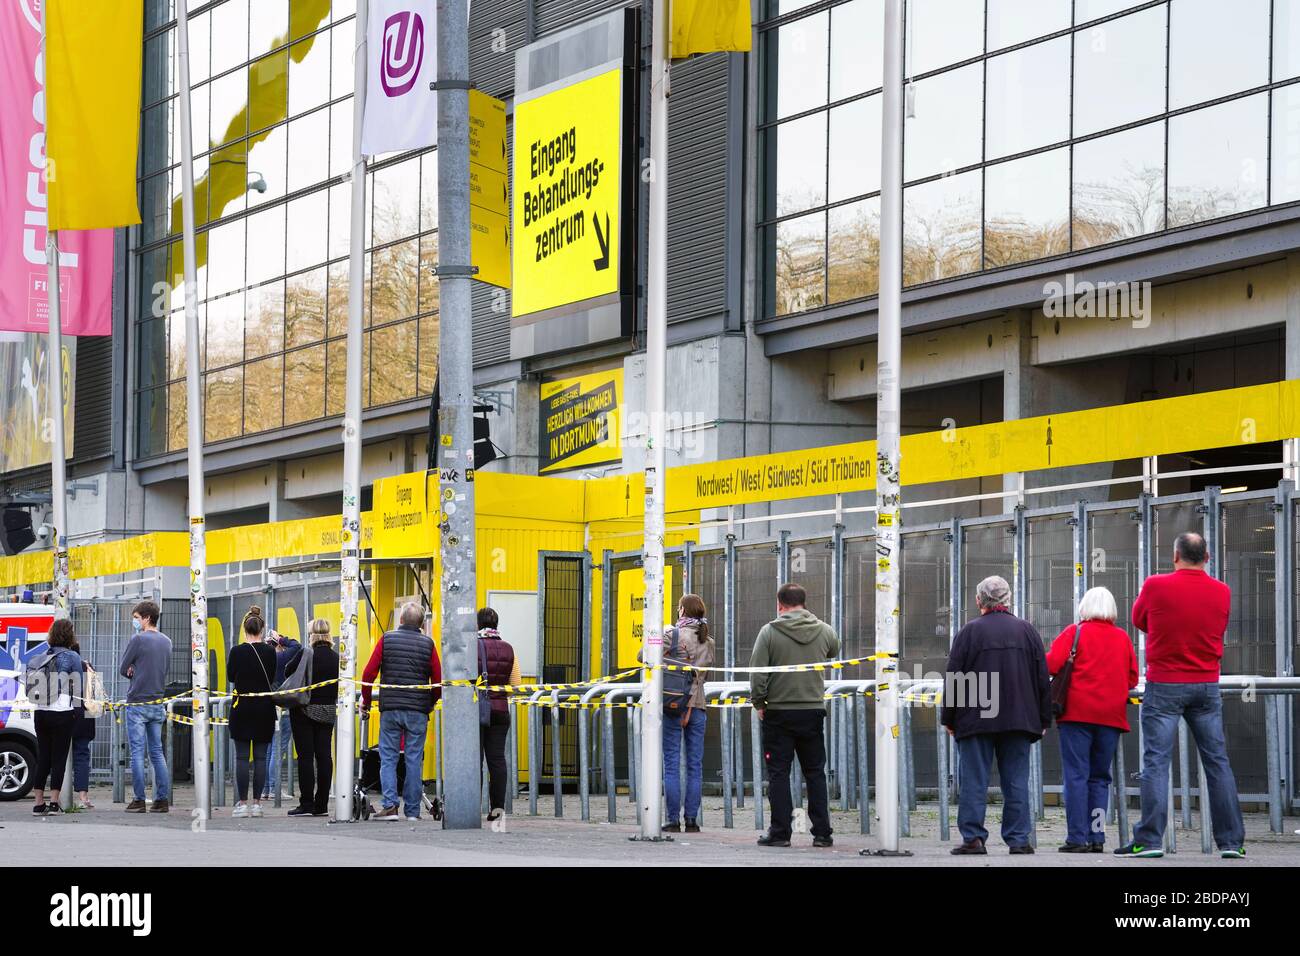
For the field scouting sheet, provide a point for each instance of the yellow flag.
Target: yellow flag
(92, 111)
(706, 26)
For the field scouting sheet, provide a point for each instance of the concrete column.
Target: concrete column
(1017, 388)
(1291, 447)
(281, 508)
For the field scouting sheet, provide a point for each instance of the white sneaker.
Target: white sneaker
(257, 809)
(240, 811)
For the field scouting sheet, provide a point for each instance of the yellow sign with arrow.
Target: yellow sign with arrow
(568, 184)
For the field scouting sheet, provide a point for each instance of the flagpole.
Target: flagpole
(54, 404)
(54, 385)
(652, 764)
(194, 425)
(350, 536)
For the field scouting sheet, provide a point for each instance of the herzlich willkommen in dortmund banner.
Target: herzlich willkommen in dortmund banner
(401, 49)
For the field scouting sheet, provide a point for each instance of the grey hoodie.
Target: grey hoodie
(796, 637)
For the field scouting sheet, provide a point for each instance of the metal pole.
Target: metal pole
(534, 753)
(607, 755)
(756, 748)
(651, 799)
(1171, 824)
(841, 710)
(782, 557)
(1284, 613)
(455, 417)
(905, 771)
(1272, 741)
(864, 781)
(557, 778)
(1203, 804)
(941, 756)
(584, 763)
(54, 403)
(512, 760)
(888, 423)
(350, 537)
(194, 423)
(1184, 776)
(1121, 794)
(728, 752)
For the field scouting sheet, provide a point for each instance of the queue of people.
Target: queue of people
(1002, 692)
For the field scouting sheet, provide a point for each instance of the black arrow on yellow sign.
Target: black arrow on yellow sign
(602, 262)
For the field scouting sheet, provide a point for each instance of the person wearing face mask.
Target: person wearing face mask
(144, 663)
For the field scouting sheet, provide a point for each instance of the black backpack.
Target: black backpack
(678, 685)
(40, 680)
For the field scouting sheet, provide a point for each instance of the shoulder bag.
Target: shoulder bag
(291, 691)
(1061, 682)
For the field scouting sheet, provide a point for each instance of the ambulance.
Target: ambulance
(23, 628)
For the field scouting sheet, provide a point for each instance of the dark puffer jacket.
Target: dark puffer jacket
(405, 659)
(500, 659)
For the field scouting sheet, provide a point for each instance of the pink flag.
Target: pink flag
(86, 258)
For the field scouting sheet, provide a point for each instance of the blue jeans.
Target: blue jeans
(281, 736)
(81, 763)
(392, 725)
(977, 753)
(1202, 707)
(1086, 754)
(673, 734)
(144, 726)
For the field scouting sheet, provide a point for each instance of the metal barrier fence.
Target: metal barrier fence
(1049, 555)
(849, 735)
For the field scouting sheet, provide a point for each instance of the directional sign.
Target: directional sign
(567, 181)
(489, 193)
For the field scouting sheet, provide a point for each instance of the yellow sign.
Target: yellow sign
(567, 178)
(489, 193)
(403, 527)
(631, 606)
(579, 421)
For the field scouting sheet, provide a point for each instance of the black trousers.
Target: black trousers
(787, 733)
(315, 753)
(493, 740)
(53, 740)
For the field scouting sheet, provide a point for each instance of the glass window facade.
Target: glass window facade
(272, 121)
(1037, 128)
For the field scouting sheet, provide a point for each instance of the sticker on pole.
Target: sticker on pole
(567, 185)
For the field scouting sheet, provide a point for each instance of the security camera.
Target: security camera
(43, 533)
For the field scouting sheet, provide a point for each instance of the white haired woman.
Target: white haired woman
(1096, 713)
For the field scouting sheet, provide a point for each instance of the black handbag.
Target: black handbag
(1061, 682)
(678, 685)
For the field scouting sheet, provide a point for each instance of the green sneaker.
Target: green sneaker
(1237, 854)
(1138, 850)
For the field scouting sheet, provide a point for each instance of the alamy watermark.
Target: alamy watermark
(1098, 300)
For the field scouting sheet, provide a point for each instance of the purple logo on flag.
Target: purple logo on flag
(403, 52)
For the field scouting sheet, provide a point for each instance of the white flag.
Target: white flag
(401, 111)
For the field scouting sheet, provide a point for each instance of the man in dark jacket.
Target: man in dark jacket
(792, 707)
(997, 703)
(406, 656)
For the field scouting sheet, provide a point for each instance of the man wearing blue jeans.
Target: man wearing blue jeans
(1184, 616)
(406, 662)
(144, 662)
(997, 704)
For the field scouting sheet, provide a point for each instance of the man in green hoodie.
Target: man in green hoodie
(792, 707)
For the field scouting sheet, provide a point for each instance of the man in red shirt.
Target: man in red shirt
(1184, 615)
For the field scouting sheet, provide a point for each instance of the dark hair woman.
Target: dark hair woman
(696, 648)
(56, 720)
(251, 668)
(313, 721)
(499, 666)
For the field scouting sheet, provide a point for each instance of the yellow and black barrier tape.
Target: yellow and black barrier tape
(783, 668)
(182, 719)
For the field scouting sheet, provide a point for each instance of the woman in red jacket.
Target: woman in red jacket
(1096, 713)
